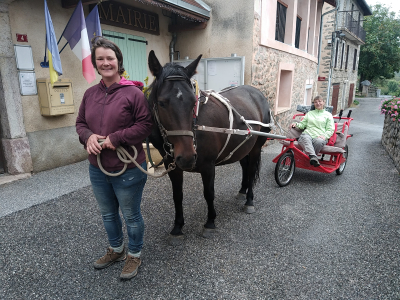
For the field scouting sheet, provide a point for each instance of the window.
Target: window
(283, 99)
(336, 53)
(347, 57)
(298, 27)
(355, 59)
(341, 59)
(280, 22)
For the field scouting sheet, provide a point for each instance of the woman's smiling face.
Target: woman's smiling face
(319, 103)
(107, 64)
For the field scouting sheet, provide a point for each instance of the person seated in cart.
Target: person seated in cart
(318, 127)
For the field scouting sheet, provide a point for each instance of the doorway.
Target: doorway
(335, 97)
(351, 93)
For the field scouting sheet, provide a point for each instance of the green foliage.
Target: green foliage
(393, 86)
(380, 56)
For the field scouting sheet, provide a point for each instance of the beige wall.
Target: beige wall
(32, 12)
(53, 141)
(229, 30)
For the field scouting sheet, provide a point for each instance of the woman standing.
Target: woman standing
(117, 111)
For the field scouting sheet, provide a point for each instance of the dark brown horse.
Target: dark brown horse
(176, 133)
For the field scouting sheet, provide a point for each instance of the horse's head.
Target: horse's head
(173, 98)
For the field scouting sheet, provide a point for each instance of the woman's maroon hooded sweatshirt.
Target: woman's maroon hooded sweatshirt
(121, 112)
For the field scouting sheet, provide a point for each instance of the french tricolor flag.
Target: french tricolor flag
(76, 35)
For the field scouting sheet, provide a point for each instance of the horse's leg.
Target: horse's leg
(208, 177)
(252, 173)
(176, 235)
(244, 163)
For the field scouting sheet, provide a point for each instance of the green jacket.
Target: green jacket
(317, 122)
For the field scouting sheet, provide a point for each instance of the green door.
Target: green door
(134, 51)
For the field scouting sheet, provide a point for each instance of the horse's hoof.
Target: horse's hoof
(208, 232)
(249, 209)
(240, 196)
(175, 240)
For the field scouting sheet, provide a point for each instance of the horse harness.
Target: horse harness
(205, 95)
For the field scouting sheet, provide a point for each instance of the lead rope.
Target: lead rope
(126, 158)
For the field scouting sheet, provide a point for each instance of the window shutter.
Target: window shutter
(342, 55)
(347, 56)
(280, 22)
(355, 59)
(298, 27)
(336, 53)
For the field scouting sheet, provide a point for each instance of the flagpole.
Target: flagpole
(63, 48)
(67, 25)
(45, 64)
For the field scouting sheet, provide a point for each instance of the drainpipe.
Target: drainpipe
(332, 53)
(172, 47)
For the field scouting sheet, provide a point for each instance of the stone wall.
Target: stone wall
(391, 139)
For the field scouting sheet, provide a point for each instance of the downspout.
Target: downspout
(334, 53)
(172, 47)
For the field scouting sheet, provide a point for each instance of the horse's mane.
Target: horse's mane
(168, 70)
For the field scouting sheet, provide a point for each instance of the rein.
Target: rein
(126, 158)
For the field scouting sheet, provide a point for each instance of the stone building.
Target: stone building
(342, 37)
(278, 38)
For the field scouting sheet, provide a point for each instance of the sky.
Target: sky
(394, 4)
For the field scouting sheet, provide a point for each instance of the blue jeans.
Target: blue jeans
(125, 192)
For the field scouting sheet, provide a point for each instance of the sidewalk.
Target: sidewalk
(41, 187)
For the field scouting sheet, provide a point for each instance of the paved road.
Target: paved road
(322, 237)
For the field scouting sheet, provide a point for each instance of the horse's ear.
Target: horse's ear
(154, 65)
(191, 69)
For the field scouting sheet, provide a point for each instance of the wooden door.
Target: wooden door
(351, 93)
(335, 97)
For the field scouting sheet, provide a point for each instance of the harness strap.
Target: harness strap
(179, 132)
(225, 101)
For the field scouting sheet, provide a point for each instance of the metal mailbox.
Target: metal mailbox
(57, 99)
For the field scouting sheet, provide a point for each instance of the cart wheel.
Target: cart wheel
(340, 170)
(284, 169)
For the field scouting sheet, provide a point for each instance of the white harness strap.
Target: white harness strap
(226, 102)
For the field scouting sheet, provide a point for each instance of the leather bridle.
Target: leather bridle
(166, 133)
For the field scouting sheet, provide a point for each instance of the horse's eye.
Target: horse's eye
(161, 103)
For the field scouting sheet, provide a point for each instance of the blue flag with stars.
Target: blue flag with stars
(93, 24)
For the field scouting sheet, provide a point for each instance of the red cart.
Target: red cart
(331, 158)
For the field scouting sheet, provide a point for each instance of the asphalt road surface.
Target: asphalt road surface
(323, 236)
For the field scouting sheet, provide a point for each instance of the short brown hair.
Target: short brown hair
(98, 42)
(318, 97)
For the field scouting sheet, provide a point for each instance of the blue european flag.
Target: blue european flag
(93, 24)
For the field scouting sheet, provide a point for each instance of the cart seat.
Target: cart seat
(342, 130)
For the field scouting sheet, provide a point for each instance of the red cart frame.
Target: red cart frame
(331, 158)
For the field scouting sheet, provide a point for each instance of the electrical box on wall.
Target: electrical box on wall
(57, 99)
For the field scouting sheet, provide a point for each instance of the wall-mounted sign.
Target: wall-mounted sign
(23, 56)
(321, 78)
(22, 37)
(122, 15)
(27, 83)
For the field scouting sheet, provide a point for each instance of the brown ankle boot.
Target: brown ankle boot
(108, 259)
(131, 267)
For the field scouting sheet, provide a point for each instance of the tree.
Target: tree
(380, 56)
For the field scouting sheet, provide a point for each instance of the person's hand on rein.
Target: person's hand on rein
(107, 144)
(92, 144)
